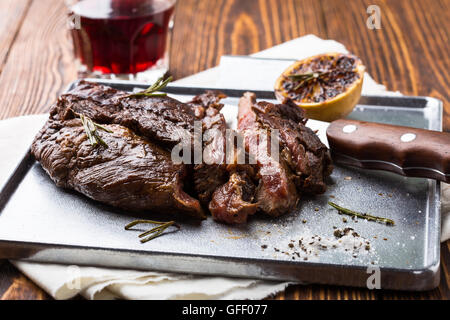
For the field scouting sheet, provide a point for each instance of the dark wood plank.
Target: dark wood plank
(410, 51)
(14, 285)
(322, 292)
(12, 13)
(206, 30)
(40, 62)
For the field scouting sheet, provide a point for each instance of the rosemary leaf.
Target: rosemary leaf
(99, 126)
(361, 215)
(136, 222)
(150, 91)
(154, 232)
(90, 127)
(87, 130)
(304, 78)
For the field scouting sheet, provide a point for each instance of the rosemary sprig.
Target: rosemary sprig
(361, 215)
(305, 77)
(150, 91)
(154, 232)
(90, 127)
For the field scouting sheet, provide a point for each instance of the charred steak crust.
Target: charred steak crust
(212, 172)
(132, 173)
(164, 120)
(276, 193)
(233, 201)
(209, 99)
(226, 189)
(302, 149)
(304, 160)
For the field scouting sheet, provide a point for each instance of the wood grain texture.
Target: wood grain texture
(12, 13)
(40, 62)
(409, 53)
(14, 285)
(206, 30)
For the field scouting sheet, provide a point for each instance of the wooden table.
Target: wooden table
(410, 53)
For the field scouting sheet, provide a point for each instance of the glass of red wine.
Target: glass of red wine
(121, 39)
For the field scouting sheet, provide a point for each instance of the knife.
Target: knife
(407, 151)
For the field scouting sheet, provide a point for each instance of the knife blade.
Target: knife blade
(406, 151)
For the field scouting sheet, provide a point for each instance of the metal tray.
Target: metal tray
(40, 222)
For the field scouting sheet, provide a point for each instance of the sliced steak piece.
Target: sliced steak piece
(209, 99)
(306, 155)
(132, 173)
(212, 172)
(233, 201)
(276, 193)
(226, 189)
(164, 120)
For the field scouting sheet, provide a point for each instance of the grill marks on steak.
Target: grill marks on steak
(162, 119)
(132, 173)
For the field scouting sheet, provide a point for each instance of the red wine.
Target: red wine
(121, 36)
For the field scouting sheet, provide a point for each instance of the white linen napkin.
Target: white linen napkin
(63, 282)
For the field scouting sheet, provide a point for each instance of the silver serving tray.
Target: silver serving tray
(41, 222)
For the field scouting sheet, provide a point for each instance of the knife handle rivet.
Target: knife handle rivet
(407, 137)
(349, 128)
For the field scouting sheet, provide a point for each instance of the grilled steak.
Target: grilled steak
(134, 170)
(132, 173)
(302, 149)
(227, 189)
(276, 193)
(164, 120)
(212, 172)
(304, 160)
(209, 99)
(233, 201)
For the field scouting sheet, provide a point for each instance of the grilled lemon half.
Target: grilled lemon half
(326, 86)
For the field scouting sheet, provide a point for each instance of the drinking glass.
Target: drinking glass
(125, 39)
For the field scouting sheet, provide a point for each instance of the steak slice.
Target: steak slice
(226, 189)
(209, 99)
(132, 173)
(276, 193)
(164, 120)
(306, 155)
(232, 202)
(212, 172)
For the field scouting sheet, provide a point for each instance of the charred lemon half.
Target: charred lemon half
(326, 86)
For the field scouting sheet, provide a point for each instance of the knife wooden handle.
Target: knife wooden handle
(406, 151)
